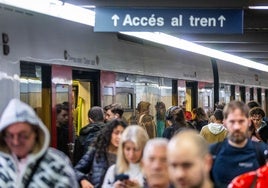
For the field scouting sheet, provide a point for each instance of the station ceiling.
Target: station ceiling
(252, 44)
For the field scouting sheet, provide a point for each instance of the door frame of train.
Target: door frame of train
(60, 75)
(192, 87)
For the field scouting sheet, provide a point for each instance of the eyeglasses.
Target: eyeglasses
(21, 137)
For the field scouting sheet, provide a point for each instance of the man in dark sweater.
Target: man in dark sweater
(237, 154)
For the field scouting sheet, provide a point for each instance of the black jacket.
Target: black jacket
(86, 137)
(91, 168)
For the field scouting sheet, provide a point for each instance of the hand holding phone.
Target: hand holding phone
(121, 177)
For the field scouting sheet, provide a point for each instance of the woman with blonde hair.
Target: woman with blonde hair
(127, 170)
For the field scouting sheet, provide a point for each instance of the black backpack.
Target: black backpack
(81, 146)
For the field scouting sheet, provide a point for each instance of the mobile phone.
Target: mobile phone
(121, 177)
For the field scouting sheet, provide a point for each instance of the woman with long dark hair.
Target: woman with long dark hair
(200, 118)
(175, 115)
(91, 169)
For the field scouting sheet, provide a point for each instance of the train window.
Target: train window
(30, 92)
(62, 93)
(125, 99)
(108, 95)
(125, 96)
(31, 85)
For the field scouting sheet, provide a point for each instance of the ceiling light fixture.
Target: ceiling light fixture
(57, 9)
(259, 7)
(85, 16)
(175, 42)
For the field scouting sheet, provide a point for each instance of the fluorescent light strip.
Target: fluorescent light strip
(55, 8)
(175, 42)
(259, 7)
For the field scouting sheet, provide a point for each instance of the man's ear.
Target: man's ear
(116, 116)
(208, 162)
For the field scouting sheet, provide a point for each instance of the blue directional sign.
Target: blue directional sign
(224, 21)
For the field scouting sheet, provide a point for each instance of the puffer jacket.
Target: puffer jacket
(86, 138)
(54, 170)
(89, 133)
(92, 169)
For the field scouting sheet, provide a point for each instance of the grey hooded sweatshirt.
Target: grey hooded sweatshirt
(54, 170)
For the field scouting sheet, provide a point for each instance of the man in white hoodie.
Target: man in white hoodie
(215, 131)
(25, 157)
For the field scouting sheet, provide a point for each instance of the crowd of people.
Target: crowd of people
(176, 148)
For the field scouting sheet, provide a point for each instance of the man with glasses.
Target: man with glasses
(25, 159)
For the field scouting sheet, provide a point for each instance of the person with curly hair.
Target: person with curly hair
(91, 169)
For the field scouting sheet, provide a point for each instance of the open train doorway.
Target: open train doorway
(85, 94)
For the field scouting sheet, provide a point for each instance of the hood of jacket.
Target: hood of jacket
(18, 111)
(216, 128)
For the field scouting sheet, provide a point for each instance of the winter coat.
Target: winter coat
(87, 136)
(174, 129)
(89, 133)
(214, 132)
(54, 170)
(91, 168)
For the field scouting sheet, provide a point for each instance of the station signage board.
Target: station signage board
(222, 21)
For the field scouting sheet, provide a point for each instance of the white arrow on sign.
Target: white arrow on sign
(115, 18)
(221, 19)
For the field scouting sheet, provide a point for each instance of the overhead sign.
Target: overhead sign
(223, 21)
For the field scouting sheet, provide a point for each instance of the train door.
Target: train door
(224, 93)
(206, 96)
(85, 94)
(242, 90)
(43, 87)
(182, 95)
(35, 89)
(247, 94)
(108, 85)
(61, 100)
(192, 93)
(263, 100)
(237, 93)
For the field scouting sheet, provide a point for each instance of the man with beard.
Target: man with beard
(237, 154)
(189, 160)
(154, 164)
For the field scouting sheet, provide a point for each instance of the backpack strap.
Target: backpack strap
(254, 182)
(259, 153)
(215, 148)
